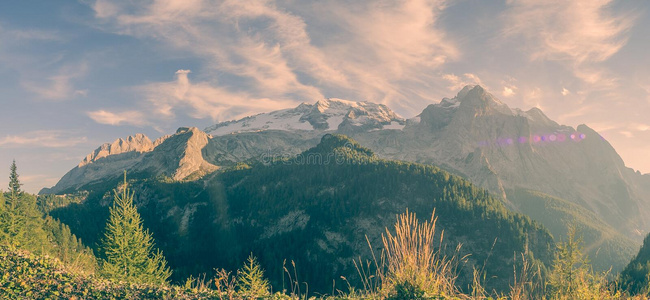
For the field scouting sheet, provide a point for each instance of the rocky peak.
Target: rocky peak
(478, 101)
(137, 143)
(536, 115)
(180, 155)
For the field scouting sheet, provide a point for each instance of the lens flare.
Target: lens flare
(534, 138)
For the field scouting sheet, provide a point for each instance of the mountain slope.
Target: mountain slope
(607, 249)
(317, 212)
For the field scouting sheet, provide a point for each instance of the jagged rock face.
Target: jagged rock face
(324, 115)
(177, 156)
(137, 143)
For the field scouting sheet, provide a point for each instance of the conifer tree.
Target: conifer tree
(13, 221)
(251, 281)
(127, 247)
(571, 276)
(14, 183)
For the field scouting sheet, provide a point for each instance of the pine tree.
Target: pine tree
(128, 248)
(13, 221)
(14, 183)
(572, 276)
(250, 280)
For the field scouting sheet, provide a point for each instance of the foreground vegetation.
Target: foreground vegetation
(410, 268)
(42, 261)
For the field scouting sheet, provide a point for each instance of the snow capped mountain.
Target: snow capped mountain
(324, 115)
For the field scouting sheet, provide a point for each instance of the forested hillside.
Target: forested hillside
(315, 210)
(24, 225)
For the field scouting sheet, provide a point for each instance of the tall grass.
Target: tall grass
(415, 264)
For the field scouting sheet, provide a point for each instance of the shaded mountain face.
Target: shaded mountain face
(318, 213)
(473, 135)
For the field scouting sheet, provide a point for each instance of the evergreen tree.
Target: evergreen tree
(572, 276)
(251, 281)
(14, 183)
(128, 248)
(568, 267)
(13, 220)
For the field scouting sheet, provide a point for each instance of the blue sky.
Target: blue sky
(76, 74)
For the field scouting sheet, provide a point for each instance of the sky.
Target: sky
(76, 74)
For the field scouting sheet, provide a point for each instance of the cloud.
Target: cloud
(458, 82)
(532, 97)
(202, 100)
(581, 31)
(43, 139)
(21, 35)
(59, 86)
(509, 91)
(627, 134)
(580, 34)
(257, 43)
(641, 127)
(365, 50)
(118, 118)
(565, 92)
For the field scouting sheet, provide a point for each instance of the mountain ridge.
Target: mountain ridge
(473, 135)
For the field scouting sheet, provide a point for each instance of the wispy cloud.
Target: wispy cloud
(582, 31)
(202, 100)
(59, 86)
(21, 35)
(118, 118)
(42, 138)
(377, 51)
(580, 34)
(458, 82)
(508, 91)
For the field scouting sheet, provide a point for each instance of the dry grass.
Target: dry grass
(414, 259)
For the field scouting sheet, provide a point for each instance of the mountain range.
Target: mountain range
(319, 216)
(556, 174)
